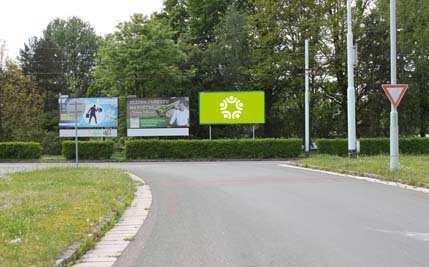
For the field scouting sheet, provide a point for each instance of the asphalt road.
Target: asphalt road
(261, 214)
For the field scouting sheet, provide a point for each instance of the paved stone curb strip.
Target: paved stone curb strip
(111, 246)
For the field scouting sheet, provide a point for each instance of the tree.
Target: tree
(141, 58)
(278, 32)
(60, 62)
(63, 58)
(20, 106)
(44, 62)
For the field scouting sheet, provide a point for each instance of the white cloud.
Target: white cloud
(22, 19)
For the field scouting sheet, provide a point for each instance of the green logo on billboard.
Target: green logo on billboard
(234, 112)
(232, 107)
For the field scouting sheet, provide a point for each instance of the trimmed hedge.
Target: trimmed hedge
(88, 149)
(374, 146)
(332, 146)
(20, 150)
(213, 149)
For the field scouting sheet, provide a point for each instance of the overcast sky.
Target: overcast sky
(22, 19)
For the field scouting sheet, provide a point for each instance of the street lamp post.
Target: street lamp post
(307, 101)
(351, 98)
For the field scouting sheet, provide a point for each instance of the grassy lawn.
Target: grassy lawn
(414, 169)
(44, 212)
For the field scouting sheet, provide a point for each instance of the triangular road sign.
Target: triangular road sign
(395, 92)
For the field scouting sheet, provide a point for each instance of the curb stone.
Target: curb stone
(114, 242)
(369, 177)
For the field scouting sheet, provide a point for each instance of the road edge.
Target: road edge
(115, 241)
(372, 179)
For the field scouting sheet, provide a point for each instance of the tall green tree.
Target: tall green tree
(141, 58)
(60, 62)
(279, 29)
(20, 106)
(78, 42)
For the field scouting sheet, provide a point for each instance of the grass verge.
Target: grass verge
(44, 212)
(414, 168)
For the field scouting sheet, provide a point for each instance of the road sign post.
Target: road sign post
(395, 93)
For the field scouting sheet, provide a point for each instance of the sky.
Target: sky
(22, 19)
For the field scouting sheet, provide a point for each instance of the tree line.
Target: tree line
(193, 45)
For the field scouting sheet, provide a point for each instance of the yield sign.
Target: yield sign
(395, 92)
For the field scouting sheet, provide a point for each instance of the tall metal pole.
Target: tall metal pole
(253, 132)
(394, 133)
(351, 98)
(75, 134)
(307, 101)
(210, 132)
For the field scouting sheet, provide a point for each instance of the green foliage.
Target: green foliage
(62, 59)
(213, 149)
(20, 150)
(140, 58)
(332, 146)
(20, 106)
(374, 146)
(91, 150)
(414, 145)
(194, 45)
(51, 144)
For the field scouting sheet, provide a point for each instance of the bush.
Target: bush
(51, 144)
(213, 149)
(374, 146)
(414, 145)
(20, 150)
(332, 146)
(88, 149)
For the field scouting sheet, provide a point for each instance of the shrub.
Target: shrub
(332, 146)
(20, 150)
(414, 145)
(374, 146)
(51, 144)
(213, 149)
(88, 149)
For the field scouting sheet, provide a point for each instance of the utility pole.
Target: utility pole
(307, 101)
(351, 98)
(394, 133)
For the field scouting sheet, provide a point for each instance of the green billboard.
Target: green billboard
(232, 107)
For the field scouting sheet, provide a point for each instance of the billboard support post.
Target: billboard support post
(253, 132)
(76, 135)
(210, 132)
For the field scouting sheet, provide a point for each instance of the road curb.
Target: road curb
(370, 178)
(114, 242)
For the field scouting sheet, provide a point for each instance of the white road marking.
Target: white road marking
(372, 180)
(413, 235)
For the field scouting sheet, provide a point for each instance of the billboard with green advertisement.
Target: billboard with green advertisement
(158, 117)
(245, 107)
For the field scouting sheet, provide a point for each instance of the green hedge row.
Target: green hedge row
(88, 149)
(374, 146)
(213, 149)
(20, 150)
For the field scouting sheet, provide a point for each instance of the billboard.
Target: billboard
(158, 116)
(94, 117)
(232, 107)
